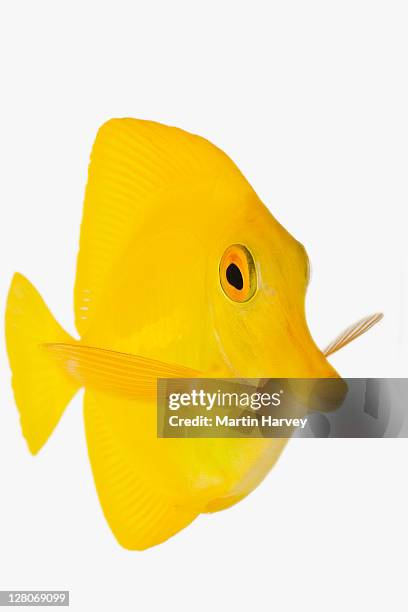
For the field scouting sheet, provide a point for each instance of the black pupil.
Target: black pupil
(234, 277)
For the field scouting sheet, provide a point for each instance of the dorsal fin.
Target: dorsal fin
(131, 161)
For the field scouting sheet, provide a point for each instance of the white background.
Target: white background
(310, 99)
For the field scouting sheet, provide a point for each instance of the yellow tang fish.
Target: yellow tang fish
(182, 272)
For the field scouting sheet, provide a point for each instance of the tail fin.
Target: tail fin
(41, 388)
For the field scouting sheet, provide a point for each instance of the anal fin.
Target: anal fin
(139, 515)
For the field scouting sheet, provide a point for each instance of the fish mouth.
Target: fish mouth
(136, 376)
(315, 360)
(329, 389)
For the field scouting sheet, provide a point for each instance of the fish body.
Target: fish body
(182, 271)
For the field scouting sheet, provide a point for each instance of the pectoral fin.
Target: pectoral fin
(111, 371)
(352, 332)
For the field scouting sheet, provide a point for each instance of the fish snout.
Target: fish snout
(327, 390)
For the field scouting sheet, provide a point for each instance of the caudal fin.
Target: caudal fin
(41, 388)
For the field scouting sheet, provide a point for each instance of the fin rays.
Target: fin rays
(123, 373)
(352, 332)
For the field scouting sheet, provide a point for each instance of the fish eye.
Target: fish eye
(237, 273)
